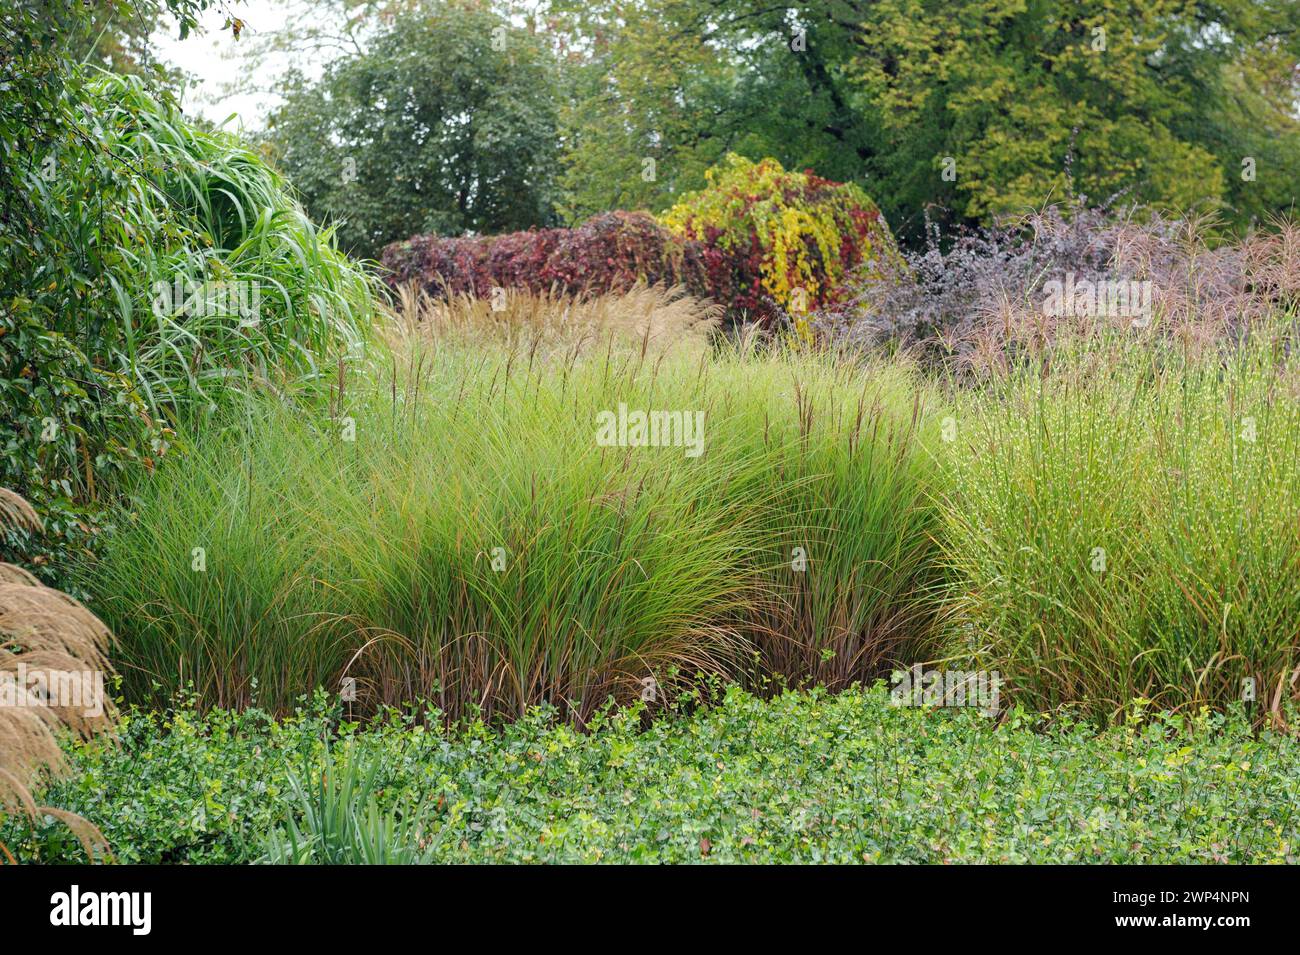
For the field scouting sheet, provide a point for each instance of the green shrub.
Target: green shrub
(69, 425)
(1125, 523)
(164, 269)
(180, 788)
(476, 545)
(803, 777)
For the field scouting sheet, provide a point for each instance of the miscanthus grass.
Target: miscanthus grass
(459, 531)
(219, 279)
(1125, 523)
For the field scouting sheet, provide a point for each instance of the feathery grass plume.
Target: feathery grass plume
(49, 635)
(1124, 523)
(652, 317)
(15, 512)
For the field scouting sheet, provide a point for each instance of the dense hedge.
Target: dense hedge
(748, 242)
(609, 252)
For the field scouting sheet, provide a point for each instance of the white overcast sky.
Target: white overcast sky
(216, 60)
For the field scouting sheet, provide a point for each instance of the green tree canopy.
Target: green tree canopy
(1163, 100)
(970, 107)
(445, 122)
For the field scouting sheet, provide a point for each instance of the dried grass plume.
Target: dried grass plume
(44, 631)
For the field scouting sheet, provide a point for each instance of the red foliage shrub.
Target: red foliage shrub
(758, 241)
(792, 237)
(610, 252)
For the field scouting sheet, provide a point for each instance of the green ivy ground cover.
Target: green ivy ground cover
(803, 777)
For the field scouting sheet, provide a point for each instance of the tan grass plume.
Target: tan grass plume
(651, 319)
(45, 632)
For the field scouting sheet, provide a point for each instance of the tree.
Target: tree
(684, 82)
(967, 108)
(1028, 101)
(445, 122)
(118, 37)
(645, 97)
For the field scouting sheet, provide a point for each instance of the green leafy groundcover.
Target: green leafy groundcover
(801, 777)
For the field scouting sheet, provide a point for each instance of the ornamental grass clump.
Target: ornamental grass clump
(490, 528)
(472, 545)
(846, 555)
(219, 278)
(1123, 523)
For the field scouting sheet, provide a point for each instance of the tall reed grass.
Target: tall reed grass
(1113, 517)
(456, 532)
(264, 295)
(1125, 522)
